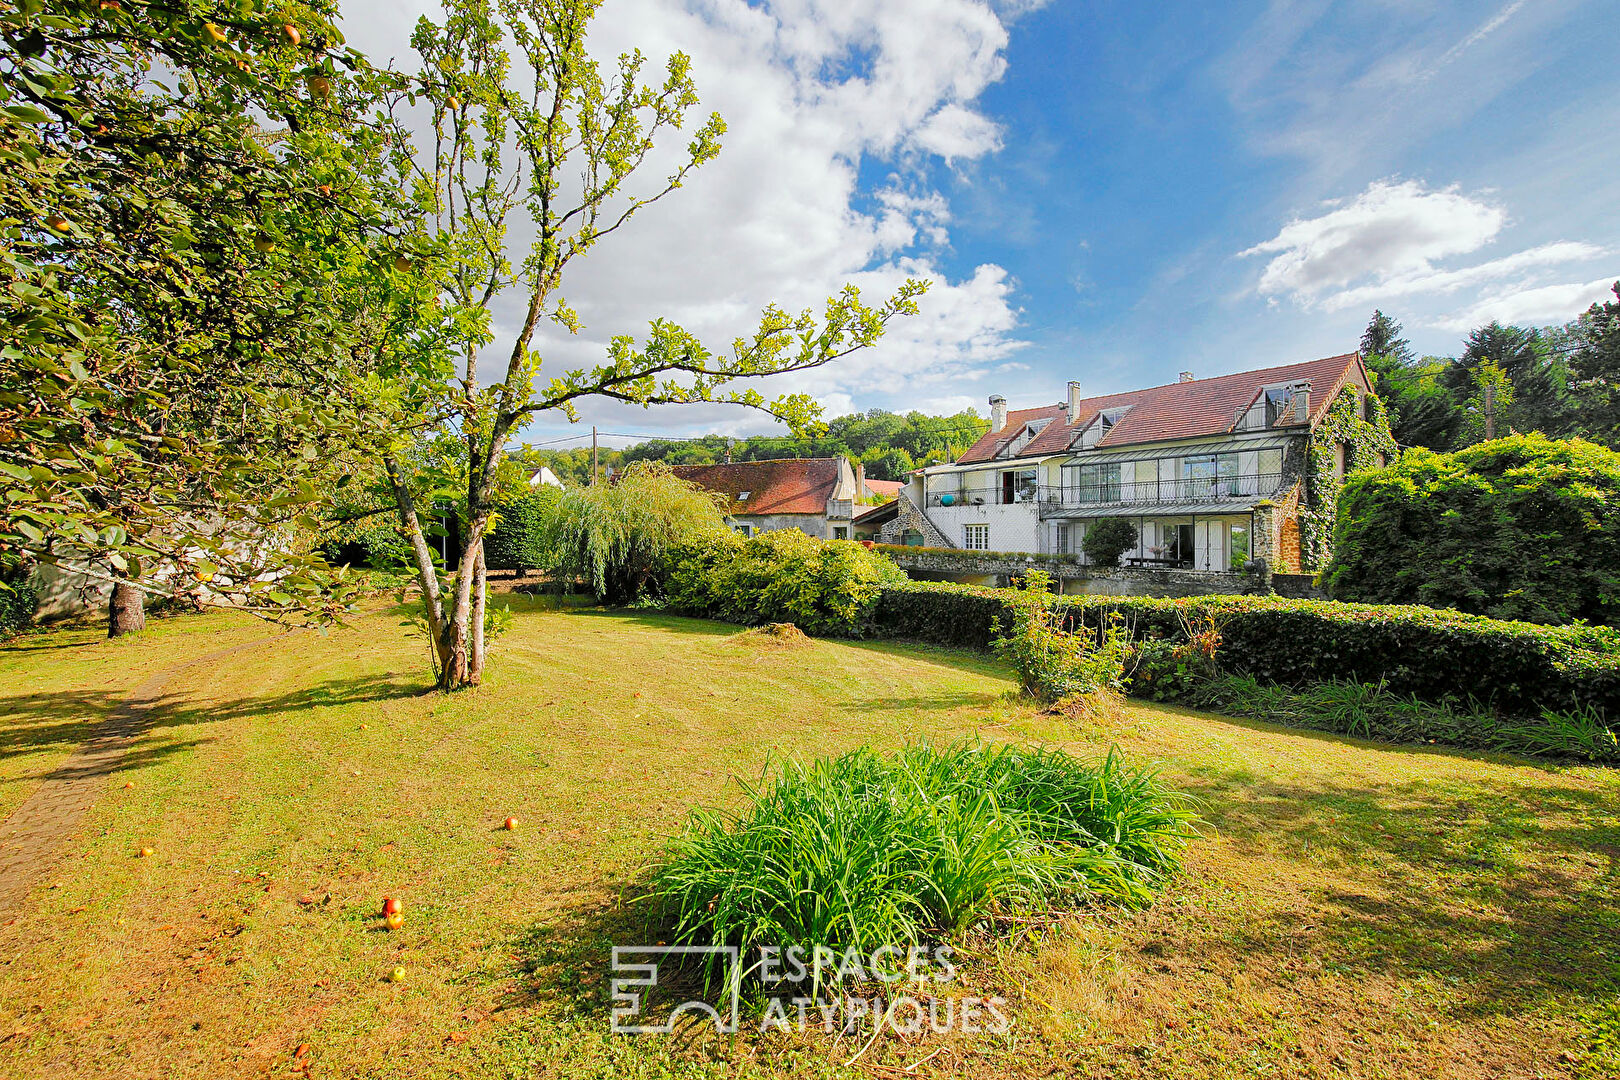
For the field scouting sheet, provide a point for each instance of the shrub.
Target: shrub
(620, 537)
(374, 543)
(18, 602)
(1518, 528)
(518, 541)
(1107, 540)
(1371, 711)
(826, 587)
(1054, 664)
(865, 851)
(1515, 668)
(1166, 669)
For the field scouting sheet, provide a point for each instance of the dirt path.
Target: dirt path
(32, 837)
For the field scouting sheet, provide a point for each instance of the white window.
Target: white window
(1063, 547)
(976, 537)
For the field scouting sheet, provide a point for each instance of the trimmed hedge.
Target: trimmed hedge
(518, 541)
(1438, 655)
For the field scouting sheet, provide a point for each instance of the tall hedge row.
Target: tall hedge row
(1439, 655)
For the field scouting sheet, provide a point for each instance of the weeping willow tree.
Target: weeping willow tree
(618, 536)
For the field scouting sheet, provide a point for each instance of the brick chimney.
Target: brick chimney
(998, 412)
(1186, 376)
(1074, 401)
(860, 480)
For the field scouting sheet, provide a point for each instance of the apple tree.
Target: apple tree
(552, 146)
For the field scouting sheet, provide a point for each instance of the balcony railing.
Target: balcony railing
(1147, 492)
(991, 496)
(1137, 493)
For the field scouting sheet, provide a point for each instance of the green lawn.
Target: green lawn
(1357, 910)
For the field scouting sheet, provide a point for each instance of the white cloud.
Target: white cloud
(1383, 246)
(808, 88)
(1544, 304)
(1430, 280)
(1389, 231)
(955, 132)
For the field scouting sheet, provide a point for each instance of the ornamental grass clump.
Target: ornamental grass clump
(865, 850)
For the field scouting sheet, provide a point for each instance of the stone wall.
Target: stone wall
(1297, 586)
(910, 517)
(999, 567)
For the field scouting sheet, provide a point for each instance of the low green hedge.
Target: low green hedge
(1437, 655)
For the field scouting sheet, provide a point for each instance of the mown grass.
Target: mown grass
(1358, 909)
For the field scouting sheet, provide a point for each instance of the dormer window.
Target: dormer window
(1024, 437)
(1100, 426)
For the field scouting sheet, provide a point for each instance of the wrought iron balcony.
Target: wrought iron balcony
(1185, 490)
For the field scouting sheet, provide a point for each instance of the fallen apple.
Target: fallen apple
(511, 823)
(129, 783)
(394, 921)
(392, 905)
(397, 975)
(147, 853)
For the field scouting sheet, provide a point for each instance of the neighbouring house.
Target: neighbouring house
(814, 495)
(879, 489)
(544, 477)
(1213, 473)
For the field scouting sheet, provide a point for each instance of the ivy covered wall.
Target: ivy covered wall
(1368, 443)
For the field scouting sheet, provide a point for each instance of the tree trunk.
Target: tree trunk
(475, 667)
(126, 610)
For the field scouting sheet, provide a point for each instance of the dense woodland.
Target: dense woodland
(1559, 380)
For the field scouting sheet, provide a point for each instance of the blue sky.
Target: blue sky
(1147, 147)
(1108, 191)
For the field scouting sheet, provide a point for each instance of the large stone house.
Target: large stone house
(813, 495)
(1213, 473)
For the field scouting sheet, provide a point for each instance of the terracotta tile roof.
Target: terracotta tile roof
(1178, 410)
(783, 486)
(889, 489)
(992, 441)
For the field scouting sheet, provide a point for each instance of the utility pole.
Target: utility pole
(1490, 411)
(593, 455)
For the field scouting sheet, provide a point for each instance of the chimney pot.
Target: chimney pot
(1186, 376)
(998, 412)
